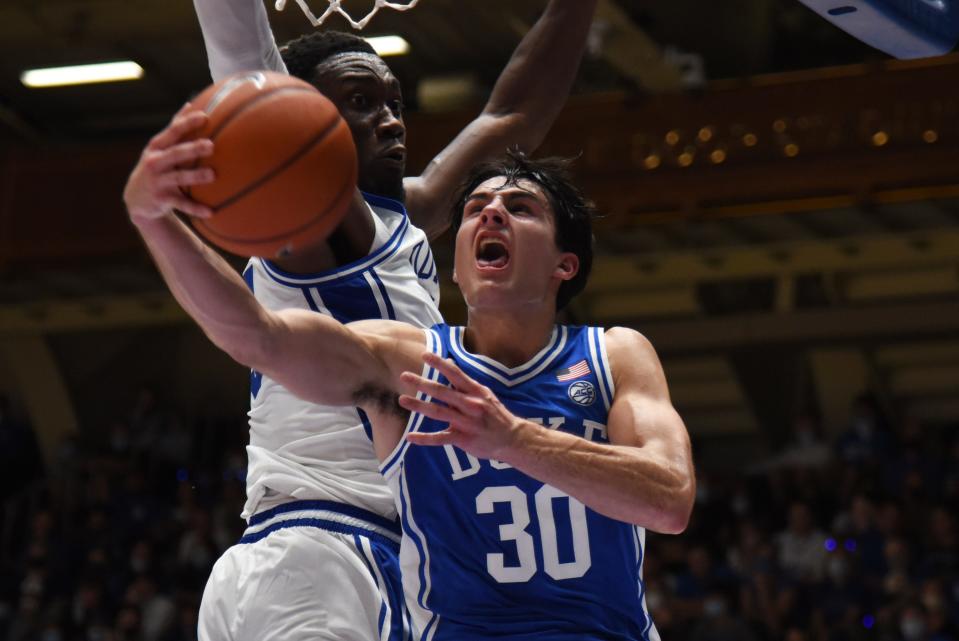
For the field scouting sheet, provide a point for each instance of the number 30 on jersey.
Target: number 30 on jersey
(515, 531)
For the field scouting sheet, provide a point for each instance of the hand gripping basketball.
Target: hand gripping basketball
(284, 161)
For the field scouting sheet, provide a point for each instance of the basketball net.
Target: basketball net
(335, 7)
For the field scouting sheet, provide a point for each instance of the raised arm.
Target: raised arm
(313, 355)
(237, 36)
(525, 102)
(644, 475)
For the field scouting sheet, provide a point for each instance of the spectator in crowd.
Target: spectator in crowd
(867, 438)
(115, 543)
(801, 546)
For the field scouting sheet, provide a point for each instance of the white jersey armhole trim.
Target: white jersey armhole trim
(374, 258)
(597, 353)
(391, 463)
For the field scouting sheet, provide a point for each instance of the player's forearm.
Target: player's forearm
(208, 289)
(533, 87)
(237, 36)
(626, 483)
(525, 102)
(314, 356)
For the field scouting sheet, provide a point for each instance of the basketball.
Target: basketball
(285, 165)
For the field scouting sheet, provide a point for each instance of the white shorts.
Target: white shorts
(308, 570)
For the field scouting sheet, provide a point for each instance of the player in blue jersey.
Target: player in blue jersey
(527, 459)
(320, 515)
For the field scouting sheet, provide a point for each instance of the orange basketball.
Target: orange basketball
(284, 160)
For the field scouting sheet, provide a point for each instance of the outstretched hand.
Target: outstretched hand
(153, 189)
(478, 422)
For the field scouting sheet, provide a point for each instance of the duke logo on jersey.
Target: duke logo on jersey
(484, 542)
(421, 259)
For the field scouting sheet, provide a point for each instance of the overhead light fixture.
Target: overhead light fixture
(82, 74)
(389, 45)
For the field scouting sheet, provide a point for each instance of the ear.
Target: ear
(567, 267)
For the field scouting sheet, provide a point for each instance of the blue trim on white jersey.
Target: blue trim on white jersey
(376, 257)
(351, 300)
(323, 524)
(363, 546)
(367, 426)
(384, 202)
(390, 312)
(308, 295)
(350, 511)
(256, 378)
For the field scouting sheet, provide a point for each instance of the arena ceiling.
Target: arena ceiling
(637, 45)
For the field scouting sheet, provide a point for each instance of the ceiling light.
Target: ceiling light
(389, 45)
(82, 74)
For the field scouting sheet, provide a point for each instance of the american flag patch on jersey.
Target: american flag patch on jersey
(578, 370)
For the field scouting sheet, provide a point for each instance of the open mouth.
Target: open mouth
(492, 253)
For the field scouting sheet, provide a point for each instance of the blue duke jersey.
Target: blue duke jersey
(489, 552)
(299, 450)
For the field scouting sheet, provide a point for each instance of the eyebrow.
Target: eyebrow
(363, 77)
(510, 192)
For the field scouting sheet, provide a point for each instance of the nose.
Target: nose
(493, 214)
(389, 125)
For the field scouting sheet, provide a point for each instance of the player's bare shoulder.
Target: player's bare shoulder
(633, 359)
(626, 344)
(401, 345)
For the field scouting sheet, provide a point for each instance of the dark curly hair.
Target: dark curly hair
(572, 211)
(303, 54)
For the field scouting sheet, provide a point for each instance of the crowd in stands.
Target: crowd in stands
(839, 539)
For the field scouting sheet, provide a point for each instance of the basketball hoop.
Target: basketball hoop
(335, 7)
(901, 28)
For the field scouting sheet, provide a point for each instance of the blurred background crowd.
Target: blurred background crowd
(848, 537)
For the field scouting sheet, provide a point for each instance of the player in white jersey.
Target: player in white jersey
(324, 453)
(501, 527)
(321, 519)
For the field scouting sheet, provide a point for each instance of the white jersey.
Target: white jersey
(302, 451)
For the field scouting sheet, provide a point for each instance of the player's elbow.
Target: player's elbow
(676, 518)
(673, 516)
(252, 347)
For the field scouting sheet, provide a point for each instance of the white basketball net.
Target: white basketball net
(335, 7)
